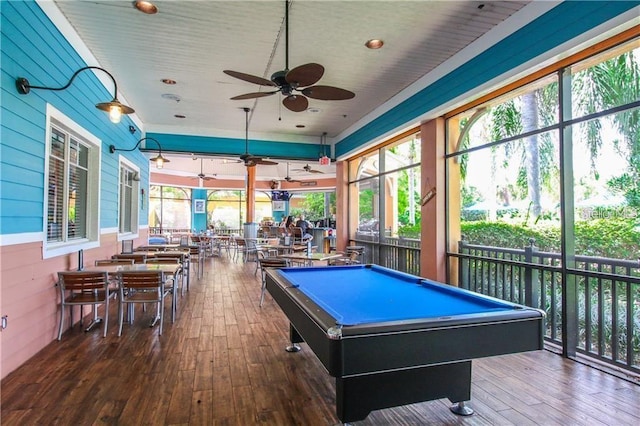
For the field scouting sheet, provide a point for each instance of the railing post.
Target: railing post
(463, 265)
(531, 277)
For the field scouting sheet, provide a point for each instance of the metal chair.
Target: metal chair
(266, 263)
(173, 257)
(79, 288)
(103, 262)
(141, 287)
(348, 259)
(296, 234)
(137, 257)
(195, 256)
(127, 246)
(184, 240)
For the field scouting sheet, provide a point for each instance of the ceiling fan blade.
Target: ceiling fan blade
(315, 171)
(252, 95)
(295, 103)
(305, 75)
(328, 93)
(265, 162)
(250, 78)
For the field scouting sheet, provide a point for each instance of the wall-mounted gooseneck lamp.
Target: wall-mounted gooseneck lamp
(114, 108)
(159, 160)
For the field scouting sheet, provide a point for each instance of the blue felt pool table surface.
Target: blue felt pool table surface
(364, 294)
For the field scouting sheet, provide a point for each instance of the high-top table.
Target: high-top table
(306, 259)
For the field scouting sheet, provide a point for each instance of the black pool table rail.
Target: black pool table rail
(381, 365)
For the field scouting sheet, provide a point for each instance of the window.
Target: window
(72, 171)
(169, 209)
(388, 187)
(385, 186)
(544, 201)
(318, 207)
(129, 198)
(226, 209)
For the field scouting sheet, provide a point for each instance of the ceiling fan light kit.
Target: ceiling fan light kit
(300, 79)
(202, 175)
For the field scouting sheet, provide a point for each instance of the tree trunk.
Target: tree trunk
(531, 150)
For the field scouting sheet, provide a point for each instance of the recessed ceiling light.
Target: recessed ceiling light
(168, 81)
(374, 43)
(180, 116)
(145, 7)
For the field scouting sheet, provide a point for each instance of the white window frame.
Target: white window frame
(63, 123)
(135, 200)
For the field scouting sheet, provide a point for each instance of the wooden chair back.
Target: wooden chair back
(102, 262)
(83, 288)
(141, 280)
(127, 246)
(82, 281)
(137, 257)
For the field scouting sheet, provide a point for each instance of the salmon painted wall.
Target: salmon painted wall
(31, 46)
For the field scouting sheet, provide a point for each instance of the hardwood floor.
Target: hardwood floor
(223, 363)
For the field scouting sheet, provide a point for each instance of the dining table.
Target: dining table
(308, 259)
(282, 248)
(161, 247)
(170, 270)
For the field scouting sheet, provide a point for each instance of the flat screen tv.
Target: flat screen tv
(280, 196)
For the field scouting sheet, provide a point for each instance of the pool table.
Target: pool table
(391, 338)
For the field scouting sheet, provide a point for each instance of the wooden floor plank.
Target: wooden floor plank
(223, 363)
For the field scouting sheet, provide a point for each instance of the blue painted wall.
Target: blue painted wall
(198, 220)
(236, 147)
(566, 21)
(32, 47)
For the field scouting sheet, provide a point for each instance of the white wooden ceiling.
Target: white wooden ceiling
(192, 42)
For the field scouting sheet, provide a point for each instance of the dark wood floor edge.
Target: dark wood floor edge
(611, 369)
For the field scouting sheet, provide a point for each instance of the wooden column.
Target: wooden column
(251, 194)
(433, 236)
(342, 205)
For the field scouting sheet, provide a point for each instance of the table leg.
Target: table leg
(295, 338)
(461, 409)
(95, 321)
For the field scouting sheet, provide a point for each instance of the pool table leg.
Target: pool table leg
(461, 409)
(357, 396)
(295, 338)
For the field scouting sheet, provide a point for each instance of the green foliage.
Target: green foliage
(366, 204)
(409, 231)
(470, 196)
(617, 238)
(313, 206)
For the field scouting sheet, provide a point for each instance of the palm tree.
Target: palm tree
(610, 84)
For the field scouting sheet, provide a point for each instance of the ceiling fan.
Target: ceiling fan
(248, 159)
(300, 79)
(288, 178)
(308, 169)
(201, 175)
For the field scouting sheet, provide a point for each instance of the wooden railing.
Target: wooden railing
(401, 254)
(603, 300)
